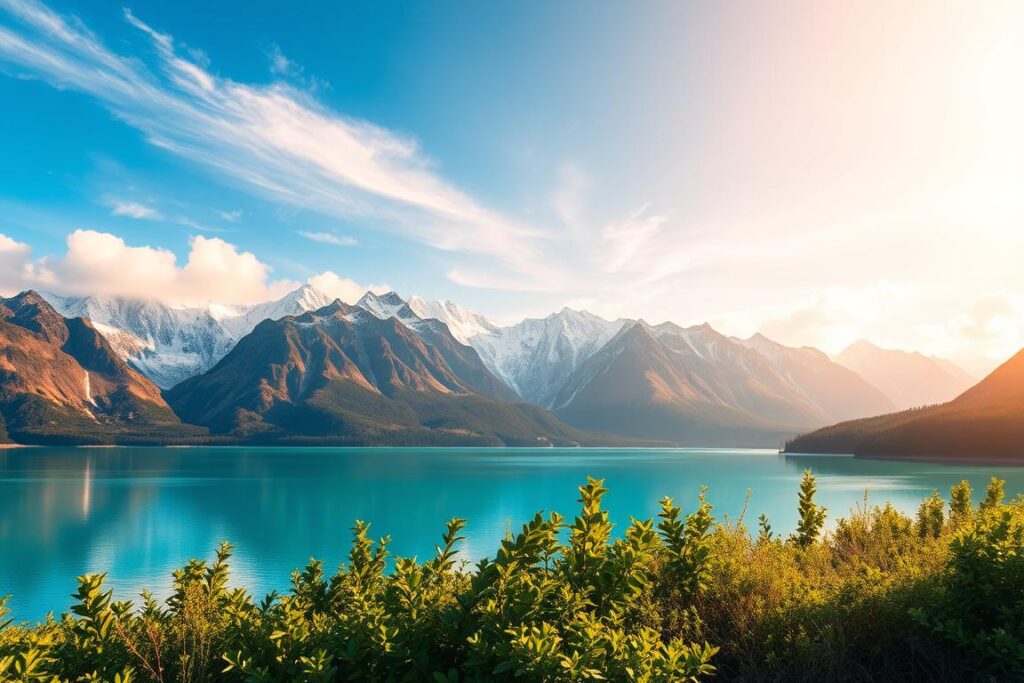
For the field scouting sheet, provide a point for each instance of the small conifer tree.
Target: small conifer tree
(960, 502)
(812, 515)
(930, 516)
(994, 494)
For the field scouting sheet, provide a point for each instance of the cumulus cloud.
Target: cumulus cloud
(273, 140)
(15, 258)
(348, 290)
(330, 238)
(134, 210)
(102, 263)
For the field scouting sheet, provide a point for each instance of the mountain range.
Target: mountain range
(695, 384)
(391, 370)
(909, 379)
(986, 422)
(172, 343)
(346, 374)
(62, 381)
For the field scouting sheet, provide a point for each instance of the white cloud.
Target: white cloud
(330, 238)
(134, 210)
(281, 65)
(273, 140)
(625, 244)
(230, 216)
(102, 263)
(15, 258)
(347, 290)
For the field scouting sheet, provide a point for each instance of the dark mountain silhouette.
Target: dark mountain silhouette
(986, 422)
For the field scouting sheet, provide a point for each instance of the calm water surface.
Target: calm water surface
(137, 513)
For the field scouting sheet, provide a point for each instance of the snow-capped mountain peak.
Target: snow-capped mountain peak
(536, 355)
(385, 306)
(464, 324)
(171, 343)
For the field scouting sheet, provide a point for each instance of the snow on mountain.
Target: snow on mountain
(171, 343)
(464, 324)
(386, 306)
(535, 356)
(694, 385)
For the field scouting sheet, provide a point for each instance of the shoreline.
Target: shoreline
(961, 460)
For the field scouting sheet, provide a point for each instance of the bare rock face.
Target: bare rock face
(344, 374)
(60, 381)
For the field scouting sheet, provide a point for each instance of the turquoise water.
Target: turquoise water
(137, 513)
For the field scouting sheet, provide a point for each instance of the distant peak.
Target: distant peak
(27, 296)
(389, 298)
(759, 338)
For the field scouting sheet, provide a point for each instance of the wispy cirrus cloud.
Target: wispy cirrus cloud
(136, 210)
(274, 140)
(330, 238)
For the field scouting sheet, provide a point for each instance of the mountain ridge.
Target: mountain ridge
(62, 382)
(910, 379)
(986, 422)
(343, 375)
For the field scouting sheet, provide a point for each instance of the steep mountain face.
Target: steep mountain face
(535, 356)
(698, 387)
(635, 385)
(61, 381)
(463, 324)
(909, 379)
(463, 359)
(833, 391)
(342, 374)
(171, 343)
(986, 422)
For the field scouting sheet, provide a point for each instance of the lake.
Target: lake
(138, 513)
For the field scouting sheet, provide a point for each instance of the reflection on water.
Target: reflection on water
(137, 513)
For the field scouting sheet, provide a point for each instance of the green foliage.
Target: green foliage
(994, 494)
(981, 608)
(930, 516)
(880, 597)
(960, 507)
(764, 530)
(812, 516)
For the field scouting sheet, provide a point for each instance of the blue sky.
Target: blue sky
(818, 171)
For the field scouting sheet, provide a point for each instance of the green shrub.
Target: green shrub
(879, 597)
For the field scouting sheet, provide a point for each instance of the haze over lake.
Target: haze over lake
(138, 513)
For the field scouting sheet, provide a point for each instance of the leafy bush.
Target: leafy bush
(879, 597)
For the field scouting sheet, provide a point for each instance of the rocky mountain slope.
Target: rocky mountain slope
(697, 387)
(909, 379)
(986, 422)
(172, 343)
(535, 356)
(342, 374)
(62, 382)
(690, 385)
